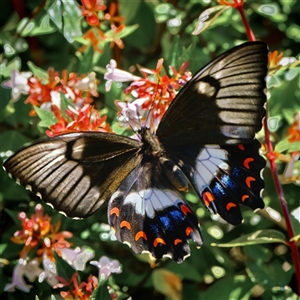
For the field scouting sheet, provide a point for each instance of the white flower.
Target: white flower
(116, 75)
(50, 272)
(106, 267)
(77, 257)
(18, 83)
(87, 83)
(30, 269)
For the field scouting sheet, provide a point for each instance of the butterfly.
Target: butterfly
(204, 142)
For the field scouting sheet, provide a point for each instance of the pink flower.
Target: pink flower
(116, 75)
(50, 273)
(77, 257)
(18, 83)
(28, 268)
(106, 267)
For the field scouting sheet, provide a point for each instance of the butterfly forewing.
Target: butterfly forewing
(75, 172)
(222, 104)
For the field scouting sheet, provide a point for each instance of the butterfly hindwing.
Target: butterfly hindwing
(222, 104)
(224, 177)
(75, 172)
(151, 216)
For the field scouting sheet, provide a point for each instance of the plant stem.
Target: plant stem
(271, 158)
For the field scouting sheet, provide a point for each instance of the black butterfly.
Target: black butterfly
(204, 141)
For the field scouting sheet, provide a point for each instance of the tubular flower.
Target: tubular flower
(150, 96)
(107, 266)
(81, 119)
(18, 83)
(38, 233)
(83, 291)
(90, 9)
(30, 269)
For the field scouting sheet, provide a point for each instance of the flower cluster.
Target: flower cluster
(49, 92)
(40, 238)
(93, 11)
(147, 97)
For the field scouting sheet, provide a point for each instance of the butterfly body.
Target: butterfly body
(204, 142)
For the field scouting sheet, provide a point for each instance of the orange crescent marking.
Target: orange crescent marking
(248, 181)
(208, 197)
(115, 211)
(177, 241)
(158, 241)
(247, 161)
(140, 234)
(125, 224)
(241, 147)
(245, 197)
(188, 231)
(230, 205)
(185, 209)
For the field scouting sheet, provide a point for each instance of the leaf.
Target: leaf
(47, 117)
(43, 28)
(55, 13)
(167, 283)
(233, 287)
(101, 292)
(207, 17)
(71, 16)
(258, 237)
(64, 270)
(6, 69)
(39, 73)
(13, 140)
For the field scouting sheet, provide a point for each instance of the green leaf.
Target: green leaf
(101, 292)
(283, 293)
(6, 69)
(258, 237)
(207, 17)
(71, 17)
(47, 117)
(41, 74)
(44, 27)
(233, 287)
(286, 145)
(12, 140)
(55, 13)
(64, 270)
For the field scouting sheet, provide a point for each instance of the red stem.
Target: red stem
(273, 167)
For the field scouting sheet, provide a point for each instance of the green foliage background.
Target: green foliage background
(247, 267)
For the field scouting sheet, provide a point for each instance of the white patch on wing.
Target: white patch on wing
(209, 161)
(150, 200)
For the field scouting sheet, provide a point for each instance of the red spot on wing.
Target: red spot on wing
(230, 205)
(247, 161)
(185, 209)
(207, 198)
(188, 231)
(177, 241)
(241, 147)
(249, 179)
(140, 234)
(245, 197)
(158, 241)
(125, 224)
(115, 211)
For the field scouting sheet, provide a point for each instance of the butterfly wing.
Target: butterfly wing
(208, 130)
(222, 104)
(224, 177)
(148, 214)
(75, 173)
